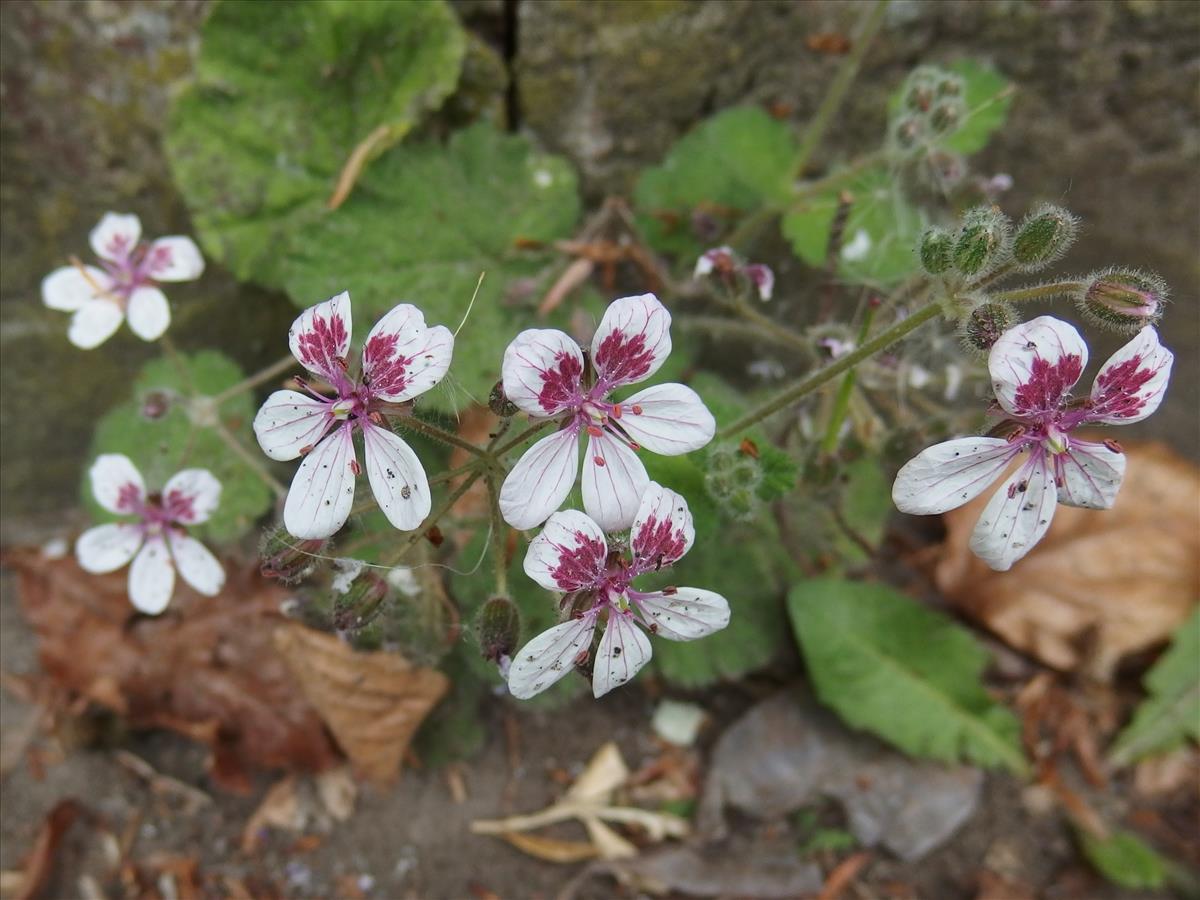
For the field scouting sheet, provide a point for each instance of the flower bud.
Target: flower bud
(947, 115)
(907, 132)
(982, 241)
(1044, 236)
(289, 559)
(985, 324)
(1123, 299)
(498, 629)
(937, 250)
(921, 87)
(499, 403)
(951, 86)
(360, 604)
(155, 405)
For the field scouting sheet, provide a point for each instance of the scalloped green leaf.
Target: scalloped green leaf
(988, 96)
(283, 94)
(901, 671)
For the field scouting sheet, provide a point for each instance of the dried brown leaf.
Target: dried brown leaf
(1101, 584)
(550, 849)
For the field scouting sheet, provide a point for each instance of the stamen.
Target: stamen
(616, 411)
(599, 460)
(670, 590)
(637, 410)
(1113, 446)
(306, 449)
(355, 467)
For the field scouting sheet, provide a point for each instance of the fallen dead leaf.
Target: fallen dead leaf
(1101, 584)
(843, 875)
(372, 702)
(551, 849)
(338, 792)
(207, 667)
(280, 808)
(40, 864)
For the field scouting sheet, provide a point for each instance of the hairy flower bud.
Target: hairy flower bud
(946, 115)
(155, 405)
(498, 629)
(289, 559)
(937, 250)
(499, 403)
(1123, 299)
(359, 605)
(1044, 236)
(982, 241)
(951, 86)
(907, 132)
(921, 87)
(985, 324)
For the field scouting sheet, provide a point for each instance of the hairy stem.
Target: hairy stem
(432, 519)
(841, 403)
(498, 531)
(520, 438)
(250, 459)
(1040, 292)
(440, 434)
(274, 370)
(178, 362)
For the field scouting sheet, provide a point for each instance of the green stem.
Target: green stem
(177, 360)
(723, 327)
(841, 403)
(407, 544)
(498, 528)
(1040, 292)
(520, 438)
(439, 434)
(802, 388)
(251, 460)
(272, 371)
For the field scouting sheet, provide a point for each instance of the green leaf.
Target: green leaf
(162, 446)
(866, 505)
(881, 231)
(903, 672)
(1125, 860)
(1172, 711)
(988, 97)
(732, 164)
(284, 92)
(422, 225)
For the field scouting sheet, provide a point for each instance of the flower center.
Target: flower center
(1056, 440)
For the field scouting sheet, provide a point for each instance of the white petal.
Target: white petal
(947, 475)
(94, 323)
(107, 548)
(569, 554)
(116, 236)
(541, 372)
(668, 418)
(290, 422)
(402, 358)
(540, 481)
(684, 615)
(117, 484)
(397, 478)
(320, 338)
(662, 532)
(148, 313)
(174, 258)
(322, 492)
(549, 656)
(68, 288)
(1035, 364)
(191, 496)
(1017, 516)
(614, 480)
(633, 340)
(1132, 383)
(622, 652)
(152, 577)
(1089, 475)
(197, 566)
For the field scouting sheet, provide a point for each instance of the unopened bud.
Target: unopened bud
(937, 250)
(951, 86)
(155, 405)
(906, 132)
(947, 115)
(1044, 236)
(289, 559)
(985, 324)
(921, 87)
(499, 403)
(945, 169)
(982, 241)
(1123, 299)
(358, 606)
(498, 627)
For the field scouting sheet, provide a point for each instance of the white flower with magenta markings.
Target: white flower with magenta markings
(546, 375)
(401, 359)
(158, 542)
(1033, 368)
(125, 286)
(572, 556)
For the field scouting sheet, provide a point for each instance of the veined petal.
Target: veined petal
(320, 338)
(683, 615)
(549, 656)
(947, 475)
(174, 258)
(668, 418)
(397, 478)
(614, 480)
(540, 481)
(622, 652)
(1017, 516)
(116, 236)
(197, 566)
(94, 323)
(1035, 364)
(290, 422)
(541, 372)
(117, 484)
(633, 340)
(402, 358)
(1089, 475)
(322, 492)
(148, 313)
(69, 288)
(569, 555)
(191, 496)
(152, 577)
(662, 531)
(107, 548)
(1131, 385)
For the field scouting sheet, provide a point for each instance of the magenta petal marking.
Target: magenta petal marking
(581, 566)
(560, 384)
(129, 497)
(624, 358)
(657, 544)
(319, 346)
(384, 372)
(178, 506)
(1117, 387)
(1048, 383)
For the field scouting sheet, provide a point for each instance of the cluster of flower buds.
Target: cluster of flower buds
(732, 478)
(933, 108)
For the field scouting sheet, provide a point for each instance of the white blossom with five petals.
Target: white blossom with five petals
(571, 556)
(1033, 368)
(545, 375)
(401, 359)
(157, 541)
(125, 286)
